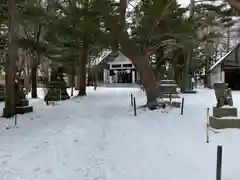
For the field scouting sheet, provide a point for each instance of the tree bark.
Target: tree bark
(142, 65)
(34, 74)
(185, 81)
(9, 109)
(83, 71)
(207, 67)
(38, 30)
(235, 4)
(72, 78)
(133, 51)
(138, 57)
(77, 79)
(34, 80)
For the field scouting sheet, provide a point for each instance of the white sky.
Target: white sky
(184, 2)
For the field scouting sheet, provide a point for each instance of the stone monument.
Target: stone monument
(168, 88)
(224, 113)
(170, 73)
(56, 88)
(162, 72)
(22, 104)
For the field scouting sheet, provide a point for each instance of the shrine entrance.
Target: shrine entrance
(124, 76)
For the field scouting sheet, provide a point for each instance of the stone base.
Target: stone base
(167, 81)
(189, 91)
(223, 123)
(174, 95)
(56, 94)
(23, 102)
(224, 112)
(24, 109)
(168, 88)
(175, 104)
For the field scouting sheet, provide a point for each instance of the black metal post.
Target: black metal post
(15, 120)
(131, 100)
(219, 163)
(134, 106)
(182, 106)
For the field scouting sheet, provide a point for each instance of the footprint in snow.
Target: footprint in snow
(37, 169)
(48, 171)
(4, 162)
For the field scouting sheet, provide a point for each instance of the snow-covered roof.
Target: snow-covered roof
(103, 55)
(109, 58)
(221, 60)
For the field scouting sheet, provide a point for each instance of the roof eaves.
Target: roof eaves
(221, 60)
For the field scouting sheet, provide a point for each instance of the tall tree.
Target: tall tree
(10, 66)
(33, 22)
(114, 15)
(74, 33)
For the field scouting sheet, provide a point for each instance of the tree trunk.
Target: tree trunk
(34, 81)
(9, 109)
(149, 85)
(235, 4)
(83, 71)
(37, 34)
(206, 76)
(72, 78)
(26, 78)
(185, 82)
(142, 65)
(77, 77)
(133, 51)
(138, 57)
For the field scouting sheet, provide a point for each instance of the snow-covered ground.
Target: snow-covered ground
(98, 138)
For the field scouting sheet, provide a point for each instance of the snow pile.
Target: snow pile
(97, 138)
(230, 118)
(227, 106)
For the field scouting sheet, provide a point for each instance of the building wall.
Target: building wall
(217, 76)
(123, 63)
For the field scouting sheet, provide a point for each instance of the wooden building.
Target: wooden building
(227, 69)
(117, 68)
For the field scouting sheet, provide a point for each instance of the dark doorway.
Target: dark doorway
(124, 77)
(232, 77)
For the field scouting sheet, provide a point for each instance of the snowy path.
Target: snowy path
(98, 138)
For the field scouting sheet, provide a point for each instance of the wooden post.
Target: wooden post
(219, 163)
(182, 106)
(134, 106)
(131, 96)
(207, 127)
